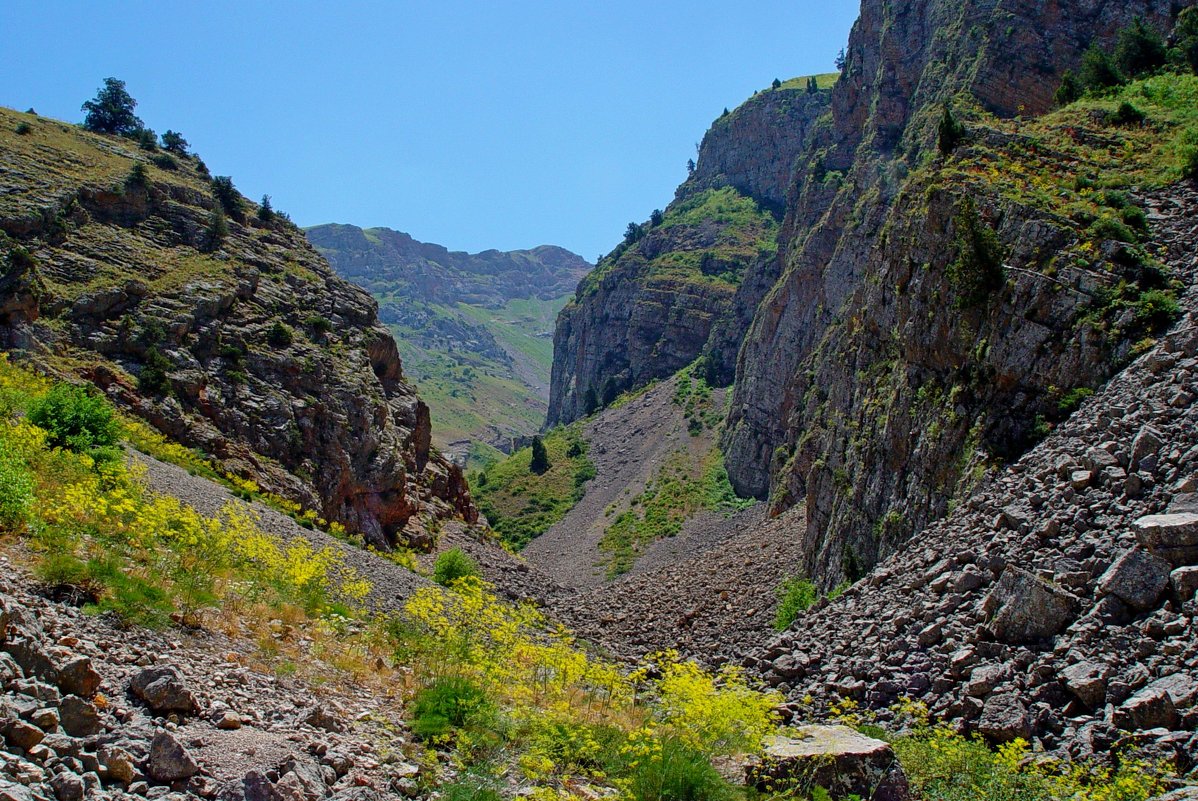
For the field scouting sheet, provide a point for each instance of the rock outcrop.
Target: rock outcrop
(874, 383)
(242, 343)
(1042, 608)
(687, 285)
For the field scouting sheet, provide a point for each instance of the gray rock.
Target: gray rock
(835, 758)
(319, 717)
(1138, 578)
(163, 691)
(1151, 708)
(1027, 609)
(1087, 681)
(116, 764)
(1181, 687)
(67, 786)
(79, 717)
(78, 677)
(169, 761)
(19, 734)
(1173, 537)
(1004, 718)
(256, 787)
(1184, 582)
(32, 659)
(983, 680)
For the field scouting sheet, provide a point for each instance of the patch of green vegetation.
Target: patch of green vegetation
(681, 488)
(825, 80)
(452, 566)
(744, 231)
(795, 596)
(521, 504)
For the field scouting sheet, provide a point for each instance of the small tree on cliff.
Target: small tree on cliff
(111, 111)
(540, 458)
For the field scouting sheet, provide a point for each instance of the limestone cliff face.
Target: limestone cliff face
(248, 347)
(688, 285)
(869, 387)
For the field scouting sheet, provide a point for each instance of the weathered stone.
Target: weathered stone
(116, 763)
(169, 761)
(257, 787)
(228, 720)
(1087, 681)
(15, 792)
(163, 691)
(32, 659)
(319, 717)
(1184, 582)
(1146, 443)
(78, 677)
(1150, 708)
(1173, 537)
(20, 734)
(79, 717)
(1181, 687)
(1027, 608)
(1004, 718)
(983, 680)
(835, 758)
(1138, 578)
(67, 786)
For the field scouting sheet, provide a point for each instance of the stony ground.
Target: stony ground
(1045, 607)
(92, 710)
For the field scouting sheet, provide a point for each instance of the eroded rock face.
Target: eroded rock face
(637, 324)
(266, 359)
(864, 390)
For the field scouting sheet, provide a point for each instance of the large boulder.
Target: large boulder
(1138, 578)
(1004, 718)
(169, 761)
(837, 759)
(163, 691)
(1173, 537)
(1026, 609)
(1087, 680)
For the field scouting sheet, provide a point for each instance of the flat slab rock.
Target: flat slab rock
(837, 759)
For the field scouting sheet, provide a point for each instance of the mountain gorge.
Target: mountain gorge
(474, 330)
(864, 469)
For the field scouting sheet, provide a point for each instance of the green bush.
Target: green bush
(978, 269)
(164, 161)
(1127, 114)
(949, 133)
(153, 377)
(16, 489)
(218, 229)
(280, 335)
(453, 565)
(795, 595)
(77, 420)
(23, 128)
(451, 702)
(1156, 309)
(539, 463)
(138, 177)
(228, 196)
(319, 325)
(1140, 50)
(1098, 70)
(677, 773)
(1110, 228)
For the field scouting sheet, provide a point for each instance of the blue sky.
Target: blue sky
(475, 125)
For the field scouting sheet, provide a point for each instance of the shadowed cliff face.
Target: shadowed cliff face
(689, 286)
(268, 361)
(866, 388)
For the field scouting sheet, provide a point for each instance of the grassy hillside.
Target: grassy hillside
(478, 399)
(521, 504)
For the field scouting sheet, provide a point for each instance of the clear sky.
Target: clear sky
(471, 124)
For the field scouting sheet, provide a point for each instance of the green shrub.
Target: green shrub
(153, 377)
(77, 420)
(147, 140)
(1110, 228)
(165, 161)
(1134, 217)
(978, 269)
(16, 489)
(1127, 114)
(1070, 89)
(677, 773)
(949, 133)
(539, 463)
(280, 334)
(266, 211)
(452, 566)
(319, 325)
(228, 196)
(451, 702)
(795, 595)
(1098, 70)
(469, 789)
(1072, 399)
(24, 128)
(138, 177)
(1139, 50)
(218, 229)
(1156, 309)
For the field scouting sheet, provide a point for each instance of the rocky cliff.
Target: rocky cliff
(937, 311)
(226, 331)
(685, 284)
